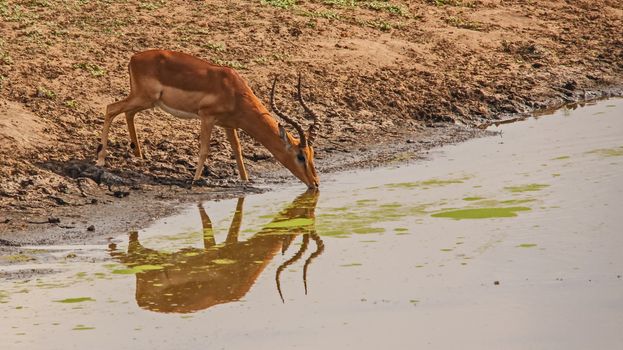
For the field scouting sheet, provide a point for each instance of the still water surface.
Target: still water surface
(506, 242)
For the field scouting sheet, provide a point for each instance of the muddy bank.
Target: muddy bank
(95, 216)
(390, 80)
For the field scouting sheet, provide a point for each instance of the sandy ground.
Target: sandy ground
(391, 80)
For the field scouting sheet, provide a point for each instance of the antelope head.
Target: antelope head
(299, 152)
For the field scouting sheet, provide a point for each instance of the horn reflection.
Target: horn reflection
(193, 279)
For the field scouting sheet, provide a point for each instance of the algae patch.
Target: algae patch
(75, 300)
(608, 152)
(351, 265)
(298, 222)
(471, 199)
(428, 183)
(137, 269)
(480, 213)
(527, 245)
(223, 261)
(526, 188)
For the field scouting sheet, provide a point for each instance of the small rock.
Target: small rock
(94, 201)
(497, 283)
(53, 220)
(121, 194)
(4, 242)
(58, 200)
(410, 141)
(91, 228)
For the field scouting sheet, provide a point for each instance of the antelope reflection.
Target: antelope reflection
(193, 279)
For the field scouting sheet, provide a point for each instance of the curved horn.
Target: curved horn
(291, 261)
(313, 128)
(289, 120)
(319, 250)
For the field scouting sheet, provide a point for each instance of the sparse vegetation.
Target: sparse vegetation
(217, 47)
(230, 63)
(71, 104)
(92, 68)
(463, 23)
(44, 92)
(285, 4)
(151, 5)
(5, 58)
(446, 2)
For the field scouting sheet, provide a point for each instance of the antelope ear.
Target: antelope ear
(284, 137)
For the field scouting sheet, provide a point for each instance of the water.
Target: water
(507, 242)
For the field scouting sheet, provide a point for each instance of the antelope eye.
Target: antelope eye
(301, 158)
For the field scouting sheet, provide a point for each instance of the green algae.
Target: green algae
(351, 265)
(608, 152)
(291, 223)
(471, 199)
(81, 327)
(561, 158)
(526, 188)
(137, 269)
(223, 261)
(368, 230)
(480, 213)
(517, 201)
(527, 245)
(17, 258)
(426, 184)
(74, 300)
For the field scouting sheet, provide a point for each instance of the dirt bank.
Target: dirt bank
(390, 78)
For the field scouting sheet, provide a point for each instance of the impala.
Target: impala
(191, 88)
(193, 279)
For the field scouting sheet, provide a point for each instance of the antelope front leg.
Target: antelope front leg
(207, 124)
(234, 140)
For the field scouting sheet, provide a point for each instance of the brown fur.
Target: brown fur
(194, 88)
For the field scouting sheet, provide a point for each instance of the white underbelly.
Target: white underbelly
(176, 112)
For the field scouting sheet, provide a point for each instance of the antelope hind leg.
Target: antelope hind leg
(207, 124)
(131, 103)
(134, 144)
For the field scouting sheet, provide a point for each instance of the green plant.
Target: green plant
(71, 104)
(218, 47)
(45, 93)
(231, 64)
(463, 23)
(328, 14)
(151, 5)
(385, 6)
(284, 4)
(92, 68)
